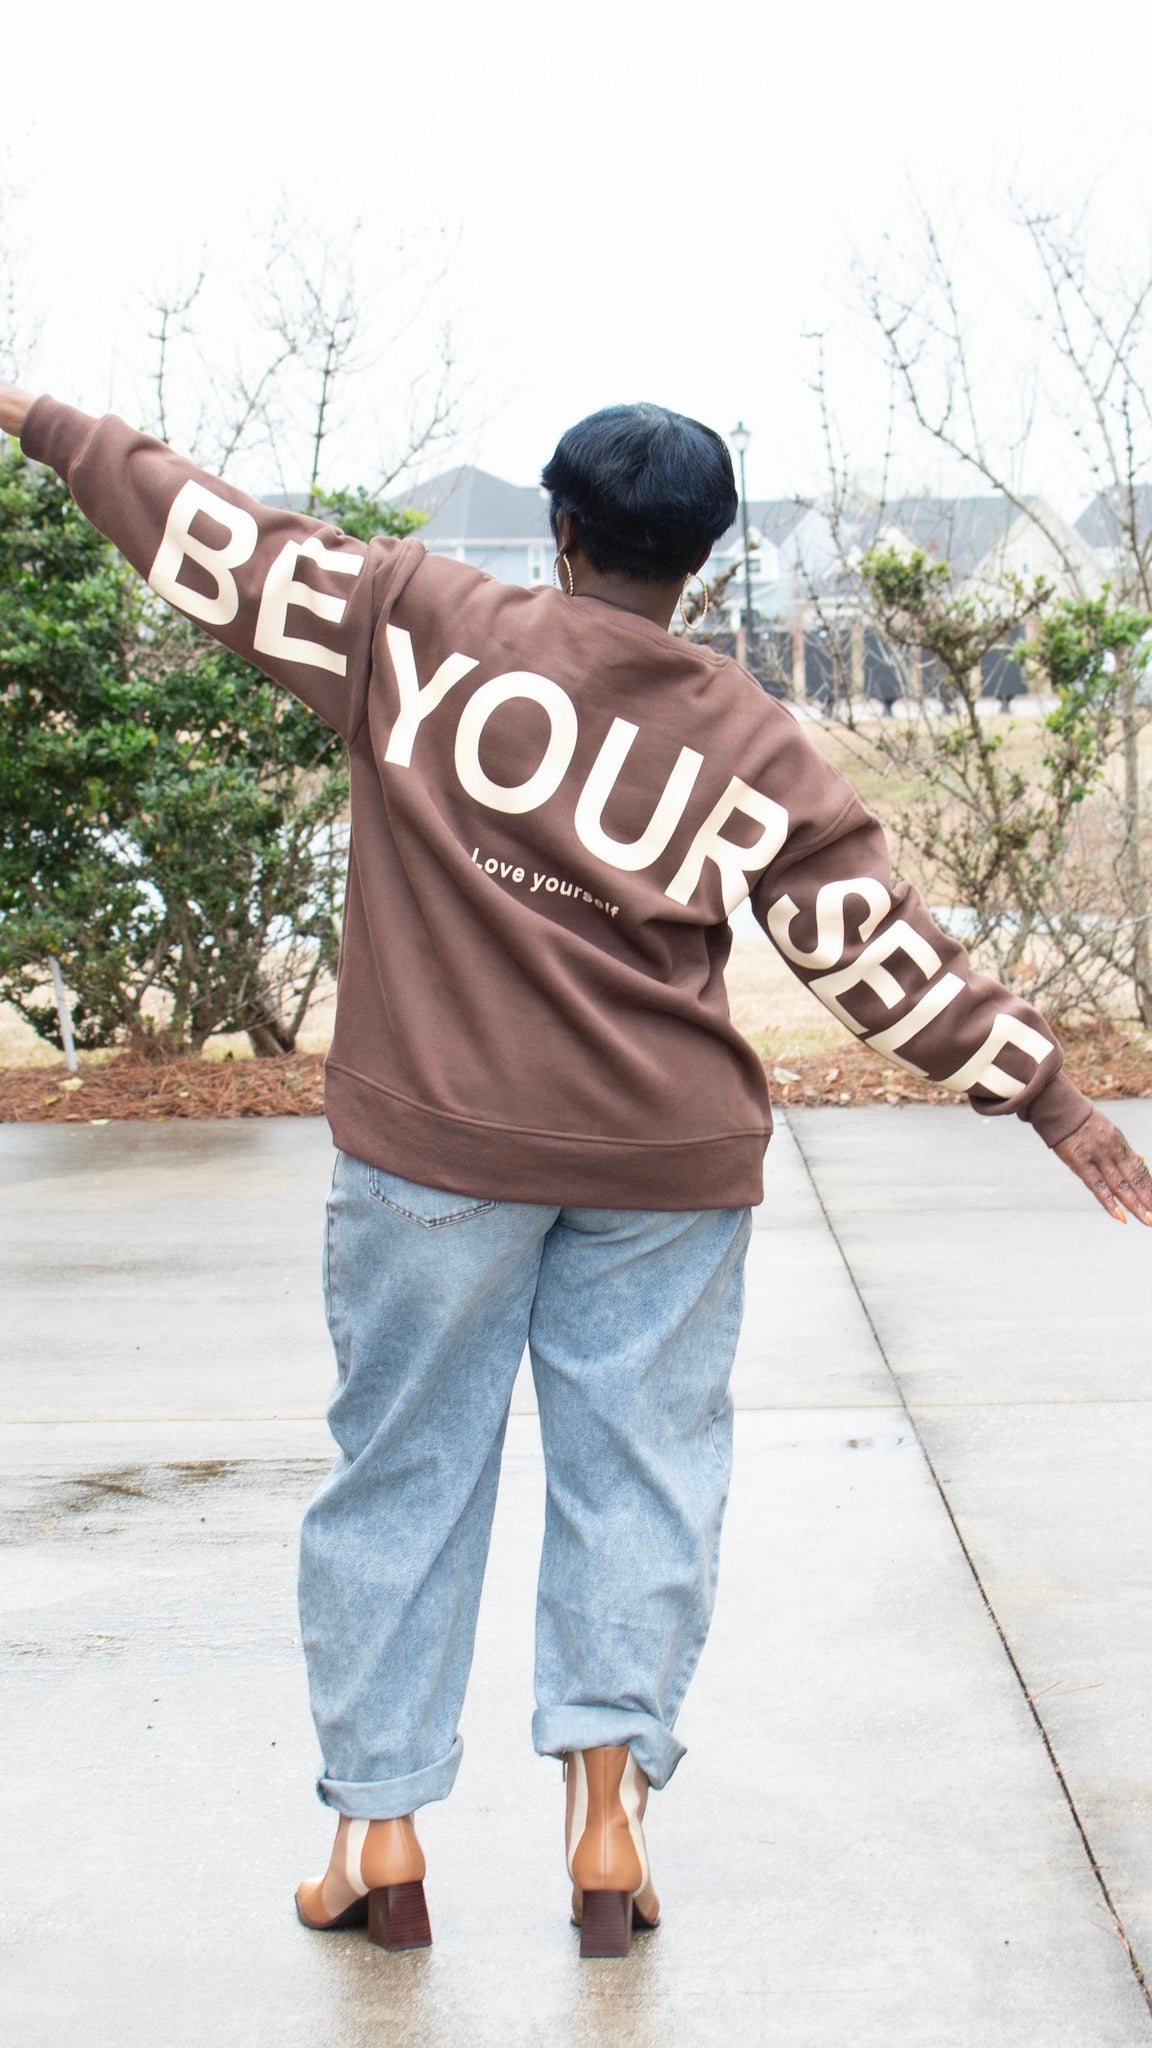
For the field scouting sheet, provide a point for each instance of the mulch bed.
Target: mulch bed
(106, 1091)
(1105, 1060)
(1108, 1062)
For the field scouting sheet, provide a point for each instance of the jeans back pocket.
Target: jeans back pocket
(432, 1208)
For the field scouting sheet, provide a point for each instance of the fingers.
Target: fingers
(1116, 1176)
(1087, 1168)
(1094, 1179)
(1132, 1183)
(1120, 1180)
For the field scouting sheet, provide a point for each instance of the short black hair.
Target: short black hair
(648, 491)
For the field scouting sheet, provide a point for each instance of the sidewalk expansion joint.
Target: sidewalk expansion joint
(1117, 1924)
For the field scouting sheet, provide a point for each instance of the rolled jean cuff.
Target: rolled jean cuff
(655, 1748)
(388, 1798)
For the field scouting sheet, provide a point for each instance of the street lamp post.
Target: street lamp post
(739, 439)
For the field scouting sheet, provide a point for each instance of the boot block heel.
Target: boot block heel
(398, 1917)
(606, 1924)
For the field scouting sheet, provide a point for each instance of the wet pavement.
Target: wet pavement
(917, 1804)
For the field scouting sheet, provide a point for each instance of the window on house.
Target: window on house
(538, 565)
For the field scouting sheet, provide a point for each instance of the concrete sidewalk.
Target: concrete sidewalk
(940, 1508)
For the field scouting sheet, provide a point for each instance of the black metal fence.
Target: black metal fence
(836, 669)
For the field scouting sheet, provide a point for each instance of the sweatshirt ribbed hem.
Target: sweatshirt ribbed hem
(507, 1165)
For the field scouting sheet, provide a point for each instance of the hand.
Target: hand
(14, 405)
(1106, 1163)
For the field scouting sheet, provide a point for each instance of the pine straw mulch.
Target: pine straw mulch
(1108, 1062)
(1105, 1060)
(109, 1090)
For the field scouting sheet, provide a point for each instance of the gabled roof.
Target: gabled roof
(962, 531)
(471, 505)
(1100, 522)
(773, 518)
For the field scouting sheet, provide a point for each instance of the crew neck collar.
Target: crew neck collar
(635, 620)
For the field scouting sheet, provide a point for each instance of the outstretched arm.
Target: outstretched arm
(296, 597)
(869, 948)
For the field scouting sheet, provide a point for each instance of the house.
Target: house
(499, 527)
(988, 539)
(987, 542)
(793, 550)
(1108, 524)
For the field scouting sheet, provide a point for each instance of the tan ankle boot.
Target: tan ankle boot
(375, 1876)
(607, 1859)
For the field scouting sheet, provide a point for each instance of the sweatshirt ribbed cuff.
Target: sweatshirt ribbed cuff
(55, 433)
(1058, 1110)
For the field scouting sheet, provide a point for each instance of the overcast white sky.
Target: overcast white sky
(636, 200)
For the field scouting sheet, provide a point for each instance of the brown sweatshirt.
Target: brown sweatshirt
(555, 806)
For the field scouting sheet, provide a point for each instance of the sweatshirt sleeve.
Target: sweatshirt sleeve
(867, 946)
(296, 597)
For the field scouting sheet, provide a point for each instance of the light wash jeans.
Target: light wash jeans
(631, 1318)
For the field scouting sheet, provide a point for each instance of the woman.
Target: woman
(549, 1132)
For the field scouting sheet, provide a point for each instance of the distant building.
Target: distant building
(498, 527)
(504, 529)
(986, 539)
(1110, 526)
(793, 551)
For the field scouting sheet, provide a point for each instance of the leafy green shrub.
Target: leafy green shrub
(170, 823)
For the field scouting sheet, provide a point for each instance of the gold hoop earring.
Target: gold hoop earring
(568, 583)
(687, 623)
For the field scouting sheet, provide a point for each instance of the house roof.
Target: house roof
(1099, 523)
(773, 518)
(469, 504)
(962, 531)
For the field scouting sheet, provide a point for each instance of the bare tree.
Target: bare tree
(315, 337)
(171, 323)
(1094, 368)
(316, 314)
(19, 324)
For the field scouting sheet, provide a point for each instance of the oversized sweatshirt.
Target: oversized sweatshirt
(555, 806)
